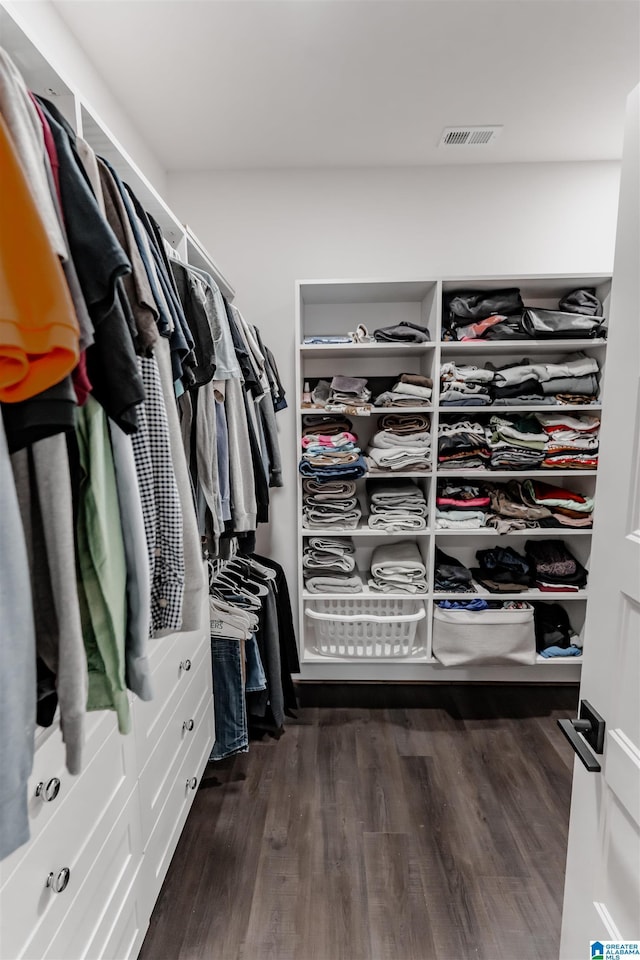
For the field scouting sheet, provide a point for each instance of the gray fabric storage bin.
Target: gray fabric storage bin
(483, 637)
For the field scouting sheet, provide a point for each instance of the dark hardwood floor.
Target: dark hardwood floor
(414, 823)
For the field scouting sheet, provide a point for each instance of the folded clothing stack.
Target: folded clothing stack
(398, 568)
(517, 443)
(331, 505)
(450, 575)
(410, 390)
(501, 315)
(396, 505)
(403, 332)
(329, 566)
(330, 451)
(462, 386)
(351, 390)
(555, 637)
(400, 443)
(554, 567)
(572, 380)
(565, 507)
(502, 570)
(572, 441)
(463, 444)
(461, 506)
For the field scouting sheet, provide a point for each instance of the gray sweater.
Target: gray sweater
(17, 666)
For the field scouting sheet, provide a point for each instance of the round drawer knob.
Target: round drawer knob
(185, 665)
(60, 882)
(192, 783)
(188, 725)
(48, 791)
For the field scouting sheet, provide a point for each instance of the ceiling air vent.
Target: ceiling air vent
(469, 136)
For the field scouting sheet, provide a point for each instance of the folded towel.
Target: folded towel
(399, 458)
(396, 521)
(412, 390)
(398, 563)
(334, 584)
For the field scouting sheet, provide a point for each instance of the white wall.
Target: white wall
(45, 28)
(267, 229)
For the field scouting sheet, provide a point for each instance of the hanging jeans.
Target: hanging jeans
(228, 699)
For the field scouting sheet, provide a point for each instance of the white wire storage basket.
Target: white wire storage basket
(377, 628)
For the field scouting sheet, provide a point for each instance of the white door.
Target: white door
(602, 888)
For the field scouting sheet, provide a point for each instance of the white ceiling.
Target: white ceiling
(217, 84)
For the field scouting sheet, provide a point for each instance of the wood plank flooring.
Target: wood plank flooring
(389, 823)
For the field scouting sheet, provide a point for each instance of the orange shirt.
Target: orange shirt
(39, 335)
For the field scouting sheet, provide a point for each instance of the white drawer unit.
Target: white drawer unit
(180, 795)
(41, 890)
(172, 675)
(50, 783)
(174, 741)
(108, 885)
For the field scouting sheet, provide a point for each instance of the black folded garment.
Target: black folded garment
(548, 324)
(463, 306)
(527, 388)
(502, 570)
(403, 332)
(451, 576)
(583, 301)
(552, 626)
(553, 563)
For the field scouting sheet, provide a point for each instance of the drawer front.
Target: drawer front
(172, 675)
(127, 934)
(109, 884)
(173, 743)
(50, 784)
(180, 796)
(68, 840)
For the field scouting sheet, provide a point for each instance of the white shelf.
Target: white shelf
(311, 657)
(565, 661)
(488, 474)
(535, 532)
(518, 346)
(365, 594)
(531, 594)
(326, 350)
(524, 408)
(375, 412)
(363, 530)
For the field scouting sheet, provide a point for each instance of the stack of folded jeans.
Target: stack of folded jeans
(398, 568)
(330, 505)
(464, 386)
(450, 575)
(572, 441)
(554, 567)
(401, 444)
(463, 444)
(567, 508)
(403, 332)
(329, 566)
(410, 390)
(525, 382)
(502, 570)
(517, 443)
(396, 505)
(461, 506)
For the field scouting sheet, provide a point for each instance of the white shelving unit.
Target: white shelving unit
(338, 307)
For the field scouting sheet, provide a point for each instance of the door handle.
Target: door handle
(584, 733)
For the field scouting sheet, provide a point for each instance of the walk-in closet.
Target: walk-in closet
(319, 472)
